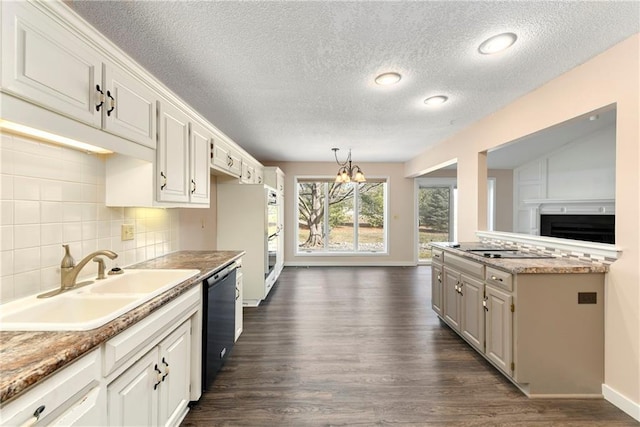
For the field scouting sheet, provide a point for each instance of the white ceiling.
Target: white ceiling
(289, 80)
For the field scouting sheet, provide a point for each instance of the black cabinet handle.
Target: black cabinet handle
(158, 376)
(100, 97)
(166, 369)
(112, 103)
(165, 180)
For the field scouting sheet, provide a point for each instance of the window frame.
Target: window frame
(351, 253)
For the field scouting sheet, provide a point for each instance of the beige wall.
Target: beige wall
(401, 232)
(610, 78)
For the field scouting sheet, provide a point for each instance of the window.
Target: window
(340, 218)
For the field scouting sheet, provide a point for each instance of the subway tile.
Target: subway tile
(6, 263)
(116, 244)
(26, 260)
(6, 212)
(26, 236)
(75, 156)
(117, 214)
(91, 170)
(6, 237)
(51, 190)
(31, 165)
(26, 145)
(6, 187)
(27, 283)
(51, 233)
(141, 225)
(140, 239)
(89, 193)
(105, 243)
(101, 194)
(7, 289)
(130, 213)
(71, 192)
(128, 257)
(71, 212)
(89, 230)
(103, 213)
(89, 246)
(7, 161)
(25, 188)
(6, 141)
(116, 228)
(142, 255)
(51, 151)
(51, 256)
(49, 279)
(89, 212)
(26, 212)
(71, 232)
(51, 212)
(103, 229)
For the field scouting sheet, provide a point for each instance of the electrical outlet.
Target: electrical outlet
(127, 231)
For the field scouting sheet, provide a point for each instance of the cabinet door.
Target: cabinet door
(175, 357)
(172, 168)
(499, 325)
(436, 288)
(45, 63)
(225, 159)
(199, 164)
(472, 311)
(451, 302)
(239, 313)
(130, 107)
(131, 398)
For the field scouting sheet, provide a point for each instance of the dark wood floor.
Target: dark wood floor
(361, 346)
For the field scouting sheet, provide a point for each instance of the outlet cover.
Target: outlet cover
(127, 231)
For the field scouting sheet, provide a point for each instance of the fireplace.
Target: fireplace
(591, 228)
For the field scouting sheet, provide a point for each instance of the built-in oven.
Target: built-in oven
(273, 230)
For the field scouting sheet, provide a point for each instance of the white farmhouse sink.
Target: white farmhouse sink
(91, 306)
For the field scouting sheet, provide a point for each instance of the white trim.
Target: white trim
(350, 264)
(602, 249)
(624, 403)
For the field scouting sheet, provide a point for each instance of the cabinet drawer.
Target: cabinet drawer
(119, 349)
(437, 256)
(499, 278)
(465, 266)
(61, 395)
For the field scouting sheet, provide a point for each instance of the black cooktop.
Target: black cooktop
(505, 253)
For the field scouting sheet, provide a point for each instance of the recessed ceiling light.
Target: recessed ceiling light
(388, 79)
(497, 43)
(436, 100)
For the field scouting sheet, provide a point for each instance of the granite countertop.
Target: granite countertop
(552, 265)
(28, 357)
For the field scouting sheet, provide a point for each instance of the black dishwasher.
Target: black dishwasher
(219, 321)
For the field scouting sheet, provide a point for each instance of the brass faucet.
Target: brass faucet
(69, 270)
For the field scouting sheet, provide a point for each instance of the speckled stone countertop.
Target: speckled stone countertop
(28, 357)
(553, 265)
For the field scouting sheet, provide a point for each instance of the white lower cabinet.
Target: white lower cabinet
(239, 312)
(72, 396)
(155, 390)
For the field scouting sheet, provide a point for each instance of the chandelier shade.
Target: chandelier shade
(348, 172)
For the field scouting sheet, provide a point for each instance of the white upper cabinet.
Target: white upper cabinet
(129, 108)
(199, 153)
(172, 166)
(46, 64)
(225, 158)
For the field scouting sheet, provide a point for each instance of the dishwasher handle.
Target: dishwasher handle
(219, 276)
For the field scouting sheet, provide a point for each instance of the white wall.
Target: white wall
(52, 195)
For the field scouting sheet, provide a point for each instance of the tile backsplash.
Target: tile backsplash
(52, 195)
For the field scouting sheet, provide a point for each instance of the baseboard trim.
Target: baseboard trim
(372, 263)
(624, 403)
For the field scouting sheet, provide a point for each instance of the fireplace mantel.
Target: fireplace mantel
(572, 206)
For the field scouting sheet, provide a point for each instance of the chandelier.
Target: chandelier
(347, 172)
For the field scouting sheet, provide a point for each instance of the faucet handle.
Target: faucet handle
(101, 267)
(67, 260)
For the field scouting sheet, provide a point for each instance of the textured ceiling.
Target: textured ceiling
(289, 80)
